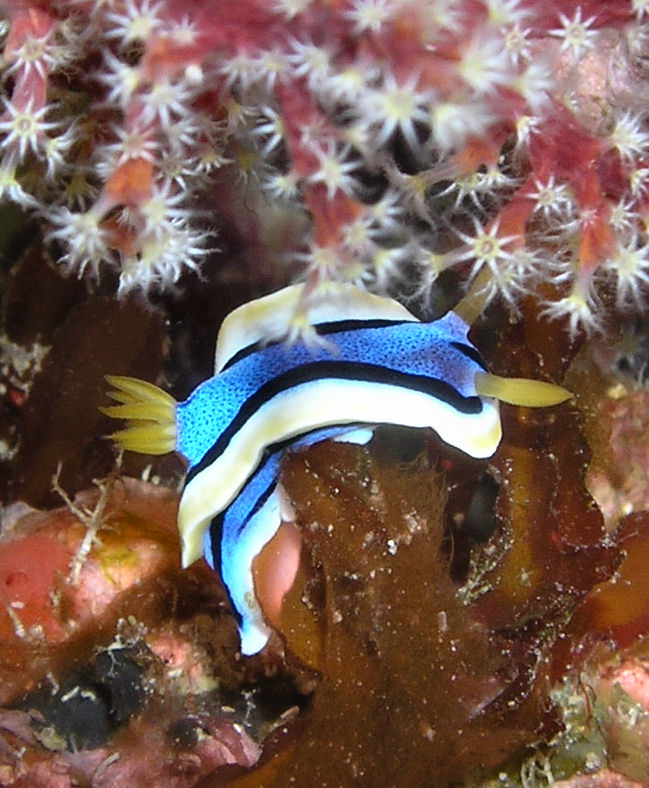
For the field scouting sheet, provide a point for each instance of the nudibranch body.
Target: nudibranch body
(375, 364)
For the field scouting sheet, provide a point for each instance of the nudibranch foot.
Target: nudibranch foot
(235, 537)
(239, 534)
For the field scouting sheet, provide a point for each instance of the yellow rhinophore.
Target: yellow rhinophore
(520, 391)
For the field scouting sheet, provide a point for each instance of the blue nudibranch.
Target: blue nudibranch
(377, 364)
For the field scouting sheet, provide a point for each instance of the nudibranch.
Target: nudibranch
(374, 363)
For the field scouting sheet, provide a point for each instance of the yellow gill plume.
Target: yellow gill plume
(150, 415)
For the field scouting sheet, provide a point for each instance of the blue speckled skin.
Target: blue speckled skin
(416, 348)
(436, 356)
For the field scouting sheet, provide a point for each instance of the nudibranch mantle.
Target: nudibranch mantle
(410, 373)
(377, 365)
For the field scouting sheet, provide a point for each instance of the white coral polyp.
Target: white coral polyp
(162, 258)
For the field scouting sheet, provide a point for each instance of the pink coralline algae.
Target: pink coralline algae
(504, 140)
